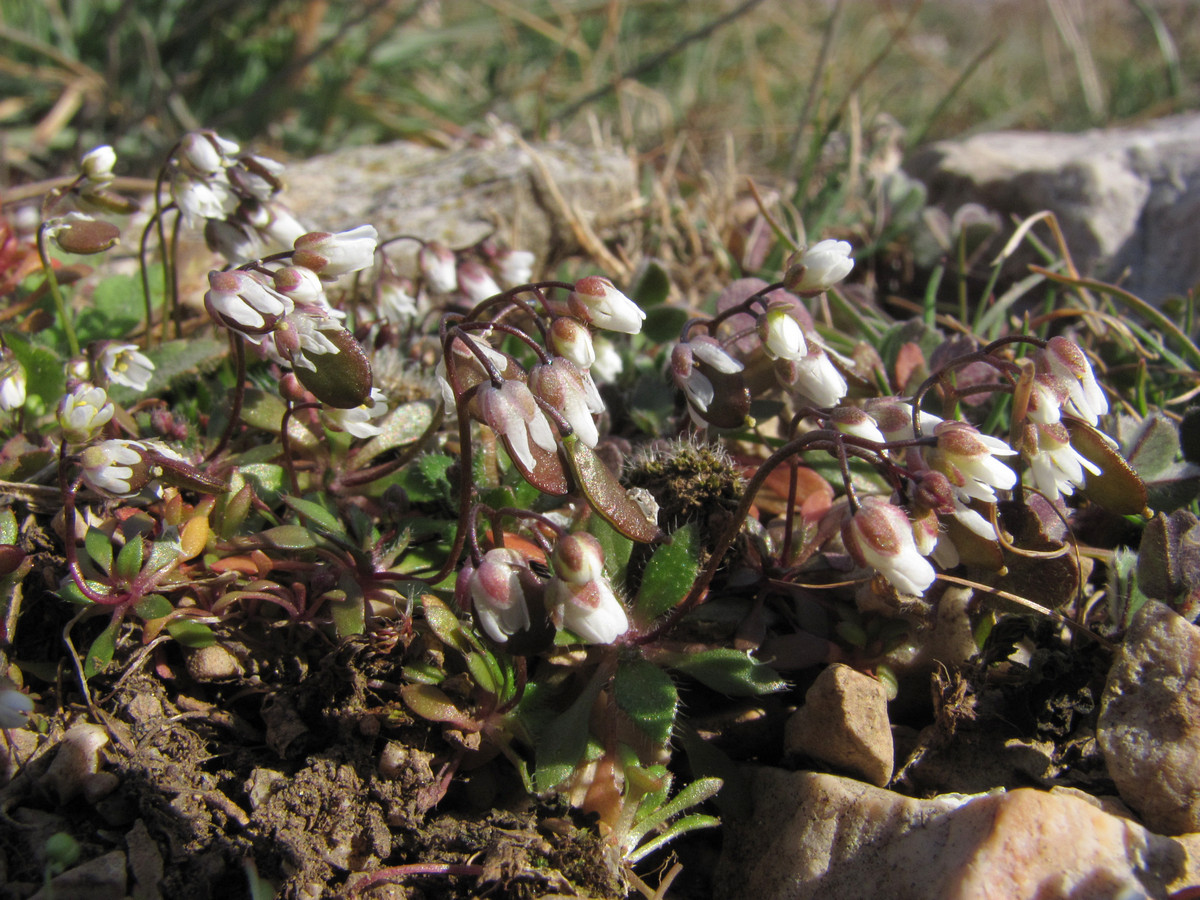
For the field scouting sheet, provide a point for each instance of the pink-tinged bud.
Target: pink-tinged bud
(880, 536)
(819, 267)
(300, 284)
(240, 301)
(590, 610)
(512, 412)
(578, 558)
(476, 281)
(570, 338)
(933, 491)
(853, 421)
(83, 411)
(498, 594)
(782, 335)
(570, 391)
(1067, 362)
(334, 255)
(514, 267)
(596, 300)
(438, 267)
(115, 467)
(815, 376)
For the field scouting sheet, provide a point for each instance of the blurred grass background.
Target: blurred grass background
(777, 79)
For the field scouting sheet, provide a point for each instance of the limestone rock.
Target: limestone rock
(527, 195)
(102, 878)
(812, 835)
(1149, 726)
(1127, 198)
(844, 722)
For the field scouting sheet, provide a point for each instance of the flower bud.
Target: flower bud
(880, 536)
(819, 267)
(570, 391)
(590, 610)
(853, 421)
(300, 284)
(13, 382)
(1065, 361)
(781, 334)
(334, 255)
(97, 164)
(498, 594)
(578, 558)
(15, 706)
(476, 282)
(570, 338)
(438, 267)
(83, 411)
(205, 152)
(596, 300)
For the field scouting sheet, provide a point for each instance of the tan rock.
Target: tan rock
(822, 836)
(1149, 727)
(102, 878)
(844, 722)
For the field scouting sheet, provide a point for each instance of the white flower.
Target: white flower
(687, 360)
(571, 339)
(360, 420)
(114, 467)
(298, 336)
(97, 164)
(515, 267)
(476, 282)
(880, 536)
(968, 459)
(1055, 467)
(12, 385)
(498, 595)
(596, 300)
(239, 297)
(438, 265)
(782, 335)
(211, 198)
(125, 364)
(334, 255)
(512, 412)
(396, 304)
(1066, 361)
(590, 610)
(15, 706)
(205, 151)
(816, 377)
(894, 418)
(608, 365)
(819, 267)
(83, 412)
(570, 391)
(301, 285)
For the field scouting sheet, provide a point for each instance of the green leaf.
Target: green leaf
(116, 308)
(153, 606)
(267, 479)
(485, 673)
(683, 826)
(432, 704)
(664, 323)
(445, 624)
(729, 671)
(669, 575)
(129, 560)
(646, 694)
(563, 743)
(1153, 447)
(191, 633)
(319, 516)
(45, 380)
(617, 548)
(427, 480)
(407, 423)
(8, 526)
(100, 654)
(651, 286)
(282, 537)
(99, 549)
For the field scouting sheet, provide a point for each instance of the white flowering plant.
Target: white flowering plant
(545, 511)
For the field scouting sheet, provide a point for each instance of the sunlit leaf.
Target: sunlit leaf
(669, 574)
(606, 495)
(646, 694)
(732, 672)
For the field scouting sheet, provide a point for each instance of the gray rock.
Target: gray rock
(821, 836)
(102, 878)
(544, 198)
(1149, 726)
(1127, 198)
(844, 722)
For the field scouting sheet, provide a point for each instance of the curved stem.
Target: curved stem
(69, 551)
(286, 441)
(144, 265)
